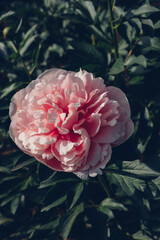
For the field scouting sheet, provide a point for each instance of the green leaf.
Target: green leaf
(55, 203)
(50, 225)
(4, 170)
(27, 44)
(7, 90)
(128, 176)
(112, 204)
(123, 46)
(68, 219)
(148, 22)
(157, 25)
(86, 9)
(155, 44)
(29, 33)
(54, 48)
(24, 164)
(133, 60)
(4, 220)
(157, 182)
(107, 211)
(144, 9)
(140, 235)
(19, 26)
(100, 34)
(15, 204)
(52, 183)
(78, 191)
(6, 15)
(91, 9)
(151, 44)
(36, 59)
(133, 168)
(89, 50)
(137, 23)
(3, 52)
(125, 185)
(11, 177)
(76, 18)
(7, 200)
(117, 67)
(137, 80)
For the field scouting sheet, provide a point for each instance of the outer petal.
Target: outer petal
(110, 134)
(16, 102)
(51, 75)
(129, 128)
(117, 94)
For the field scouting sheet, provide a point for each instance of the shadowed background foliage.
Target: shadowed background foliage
(120, 42)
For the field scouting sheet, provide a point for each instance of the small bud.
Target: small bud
(8, 32)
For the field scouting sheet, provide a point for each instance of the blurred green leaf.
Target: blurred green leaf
(50, 225)
(140, 60)
(90, 7)
(141, 235)
(78, 191)
(136, 80)
(86, 8)
(117, 67)
(7, 90)
(36, 58)
(112, 204)
(93, 54)
(144, 9)
(157, 25)
(55, 203)
(4, 169)
(6, 200)
(67, 220)
(4, 220)
(15, 204)
(24, 164)
(6, 15)
(133, 168)
(125, 185)
(52, 183)
(19, 26)
(107, 211)
(27, 44)
(137, 23)
(3, 52)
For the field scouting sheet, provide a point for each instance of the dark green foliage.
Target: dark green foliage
(120, 42)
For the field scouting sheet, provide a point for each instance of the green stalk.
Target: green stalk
(24, 65)
(103, 184)
(114, 31)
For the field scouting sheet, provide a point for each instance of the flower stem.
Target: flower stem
(103, 184)
(24, 65)
(114, 30)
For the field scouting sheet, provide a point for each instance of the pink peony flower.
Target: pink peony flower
(70, 121)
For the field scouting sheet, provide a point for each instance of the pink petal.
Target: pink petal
(129, 128)
(64, 146)
(52, 75)
(71, 119)
(16, 102)
(109, 134)
(94, 156)
(92, 124)
(117, 94)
